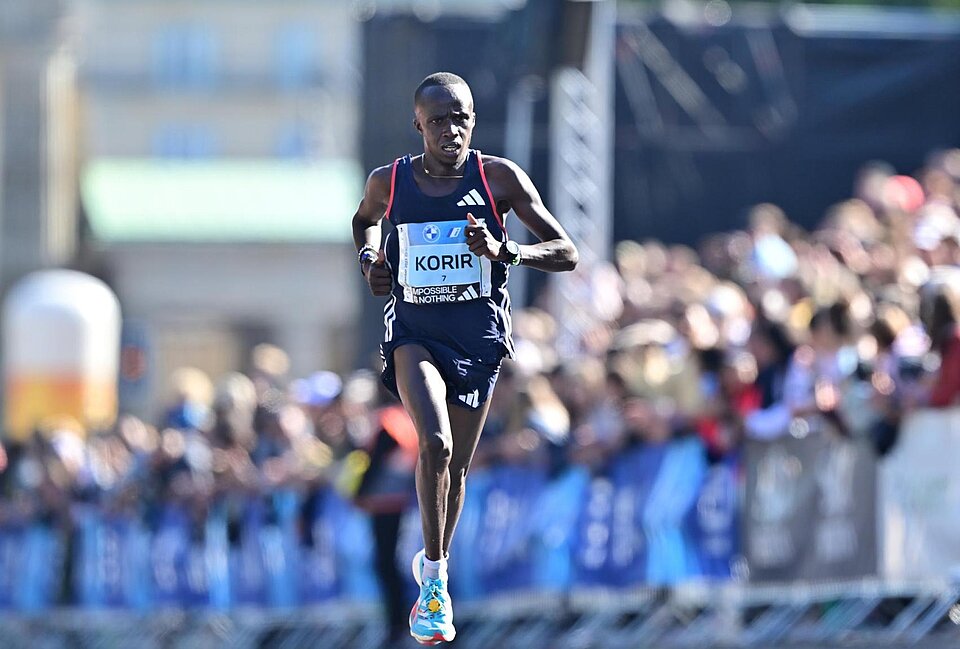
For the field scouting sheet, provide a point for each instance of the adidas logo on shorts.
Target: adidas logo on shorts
(473, 197)
(472, 399)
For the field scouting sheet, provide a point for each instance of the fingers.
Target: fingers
(473, 226)
(379, 278)
(380, 258)
(476, 236)
(478, 247)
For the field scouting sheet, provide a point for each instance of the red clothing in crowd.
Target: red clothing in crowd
(712, 430)
(947, 388)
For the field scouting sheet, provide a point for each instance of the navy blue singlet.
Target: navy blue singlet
(444, 296)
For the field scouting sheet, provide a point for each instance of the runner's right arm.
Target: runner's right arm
(366, 230)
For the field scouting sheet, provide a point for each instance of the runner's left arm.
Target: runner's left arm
(554, 252)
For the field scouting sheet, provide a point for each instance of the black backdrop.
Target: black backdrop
(780, 115)
(709, 120)
(800, 113)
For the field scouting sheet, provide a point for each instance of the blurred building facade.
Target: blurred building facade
(201, 93)
(37, 144)
(171, 78)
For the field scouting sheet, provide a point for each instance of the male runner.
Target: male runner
(448, 317)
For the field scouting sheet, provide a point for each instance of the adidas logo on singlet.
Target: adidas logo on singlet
(473, 197)
(469, 294)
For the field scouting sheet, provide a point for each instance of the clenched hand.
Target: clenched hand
(379, 277)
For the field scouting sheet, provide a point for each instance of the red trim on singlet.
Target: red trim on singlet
(393, 184)
(493, 203)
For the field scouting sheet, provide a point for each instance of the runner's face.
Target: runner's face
(444, 116)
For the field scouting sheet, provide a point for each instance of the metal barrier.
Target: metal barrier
(803, 616)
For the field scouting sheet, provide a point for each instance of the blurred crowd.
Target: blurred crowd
(760, 333)
(215, 445)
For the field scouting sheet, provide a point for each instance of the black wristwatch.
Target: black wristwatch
(513, 249)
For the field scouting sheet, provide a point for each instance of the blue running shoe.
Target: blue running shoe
(417, 568)
(431, 620)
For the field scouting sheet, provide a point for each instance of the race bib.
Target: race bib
(436, 264)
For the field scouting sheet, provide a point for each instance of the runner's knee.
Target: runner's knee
(436, 449)
(458, 472)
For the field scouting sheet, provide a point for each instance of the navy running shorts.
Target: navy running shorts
(470, 381)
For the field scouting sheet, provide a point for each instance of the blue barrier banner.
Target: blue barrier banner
(554, 521)
(465, 580)
(194, 583)
(10, 545)
(43, 567)
(110, 561)
(410, 542)
(218, 560)
(248, 581)
(281, 560)
(263, 567)
(610, 548)
(591, 550)
(40, 568)
(658, 515)
(714, 522)
(354, 550)
(672, 556)
(319, 572)
(503, 549)
(178, 562)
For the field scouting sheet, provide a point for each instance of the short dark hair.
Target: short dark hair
(940, 309)
(837, 316)
(442, 79)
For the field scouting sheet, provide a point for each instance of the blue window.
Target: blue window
(294, 141)
(295, 51)
(184, 141)
(185, 56)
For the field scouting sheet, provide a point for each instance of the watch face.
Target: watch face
(514, 249)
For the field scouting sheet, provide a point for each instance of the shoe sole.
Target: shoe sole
(436, 638)
(423, 639)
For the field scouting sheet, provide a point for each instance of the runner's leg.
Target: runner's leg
(465, 426)
(423, 392)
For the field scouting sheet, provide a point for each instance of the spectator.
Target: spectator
(814, 378)
(190, 395)
(940, 313)
(937, 235)
(735, 397)
(773, 352)
(385, 492)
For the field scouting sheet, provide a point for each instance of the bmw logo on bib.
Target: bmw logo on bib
(431, 233)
